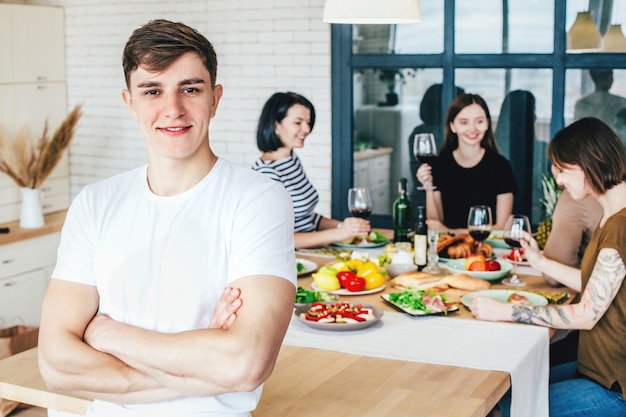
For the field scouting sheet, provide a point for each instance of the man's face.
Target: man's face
(174, 107)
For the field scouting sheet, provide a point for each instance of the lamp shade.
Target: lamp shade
(584, 34)
(372, 11)
(614, 40)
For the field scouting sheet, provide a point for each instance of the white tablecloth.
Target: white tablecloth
(521, 350)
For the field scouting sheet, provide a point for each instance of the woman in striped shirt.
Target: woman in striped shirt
(286, 120)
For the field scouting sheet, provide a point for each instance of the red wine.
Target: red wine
(512, 242)
(479, 235)
(362, 213)
(427, 159)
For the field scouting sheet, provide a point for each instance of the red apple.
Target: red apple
(492, 265)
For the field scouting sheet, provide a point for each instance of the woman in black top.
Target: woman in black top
(469, 170)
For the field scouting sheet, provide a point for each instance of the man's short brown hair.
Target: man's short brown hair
(158, 43)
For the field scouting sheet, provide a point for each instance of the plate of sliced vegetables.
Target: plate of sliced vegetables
(419, 302)
(338, 316)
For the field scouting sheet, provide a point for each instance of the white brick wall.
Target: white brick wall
(263, 46)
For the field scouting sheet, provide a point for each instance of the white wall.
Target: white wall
(263, 46)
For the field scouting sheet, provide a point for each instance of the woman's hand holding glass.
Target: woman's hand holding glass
(352, 227)
(532, 253)
(424, 175)
(425, 151)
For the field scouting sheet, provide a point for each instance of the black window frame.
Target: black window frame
(344, 62)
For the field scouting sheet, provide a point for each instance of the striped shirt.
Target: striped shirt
(290, 174)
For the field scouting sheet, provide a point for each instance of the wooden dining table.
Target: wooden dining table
(312, 382)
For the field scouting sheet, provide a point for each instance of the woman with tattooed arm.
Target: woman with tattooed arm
(589, 159)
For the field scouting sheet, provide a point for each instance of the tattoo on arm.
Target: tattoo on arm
(604, 283)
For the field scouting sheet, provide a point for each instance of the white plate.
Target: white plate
(503, 295)
(412, 312)
(343, 291)
(309, 266)
(377, 312)
(457, 266)
(362, 246)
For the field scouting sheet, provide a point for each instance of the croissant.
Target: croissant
(485, 249)
(446, 241)
(460, 250)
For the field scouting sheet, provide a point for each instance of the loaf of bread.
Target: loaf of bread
(424, 281)
(419, 280)
(466, 282)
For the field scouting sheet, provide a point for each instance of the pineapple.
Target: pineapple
(551, 193)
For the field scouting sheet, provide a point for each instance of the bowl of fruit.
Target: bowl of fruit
(478, 266)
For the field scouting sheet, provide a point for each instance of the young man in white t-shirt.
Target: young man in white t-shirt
(175, 281)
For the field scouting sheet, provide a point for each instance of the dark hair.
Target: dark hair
(274, 111)
(451, 140)
(158, 43)
(595, 148)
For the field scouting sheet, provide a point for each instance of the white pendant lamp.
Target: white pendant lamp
(584, 35)
(372, 11)
(614, 40)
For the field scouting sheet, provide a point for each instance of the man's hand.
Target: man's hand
(225, 311)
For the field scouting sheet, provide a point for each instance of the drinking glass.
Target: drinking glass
(360, 205)
(479, 223)
(433, 257)
(425, 151)
(515, 225)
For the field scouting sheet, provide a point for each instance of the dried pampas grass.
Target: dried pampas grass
(29, 164)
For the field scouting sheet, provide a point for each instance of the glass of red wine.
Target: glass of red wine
(479, 223)
(425, 151)
(360, 205)
(515, 225)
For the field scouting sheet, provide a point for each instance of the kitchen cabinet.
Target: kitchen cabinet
(33, 38)
(25, 268)
(371, 170)
(32, 92)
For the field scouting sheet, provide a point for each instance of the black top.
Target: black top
(462, 188)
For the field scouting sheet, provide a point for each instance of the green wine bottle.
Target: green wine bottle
(402, 224)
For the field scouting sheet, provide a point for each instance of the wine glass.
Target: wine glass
(433, 257)
(425, 150)
(515, 225)
(360, 205)
(479, 222)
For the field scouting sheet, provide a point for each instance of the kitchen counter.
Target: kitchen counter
(52, 223)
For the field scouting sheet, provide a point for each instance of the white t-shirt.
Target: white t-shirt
(161, 263)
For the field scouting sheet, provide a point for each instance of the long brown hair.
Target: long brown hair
(451, 140)
(593, 146)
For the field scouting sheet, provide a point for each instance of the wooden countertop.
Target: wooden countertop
(371, 153)
(52, 223)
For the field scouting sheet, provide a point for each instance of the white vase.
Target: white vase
(31, 216)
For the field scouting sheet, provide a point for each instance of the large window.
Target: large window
(391, 79)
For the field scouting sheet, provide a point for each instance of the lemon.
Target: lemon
(326, 282)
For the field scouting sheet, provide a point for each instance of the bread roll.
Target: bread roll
(466, 282)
